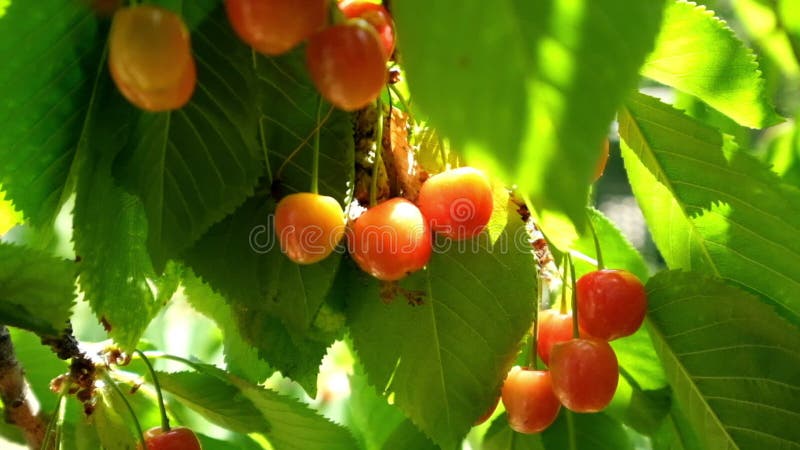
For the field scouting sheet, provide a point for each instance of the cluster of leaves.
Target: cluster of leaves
(185, 197)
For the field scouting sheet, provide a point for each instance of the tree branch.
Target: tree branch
(21, 406)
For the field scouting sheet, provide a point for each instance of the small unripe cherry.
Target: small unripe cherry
(308, 226)
(273, 27)
(585, 373)
(457, 203)
(529, 400)
(611, 303)
(347, 64)
(390, 240)
(554, 327)
(178, 438)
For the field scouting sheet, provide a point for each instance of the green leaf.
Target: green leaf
(444, 360)
(368, 414)
(193, 166)
(37, 291)
(570, 430)
(50, 51)
(710, 207)
(676, 433)
(733, 364)
(563, 63)
(111, 420)
(407, 436)
(215, 399)
(727, 78)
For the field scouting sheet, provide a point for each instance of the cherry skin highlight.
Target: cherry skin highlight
(457, 203)
(390, 240)
(308, 226)
(611, 303)
(377, 16)
(529, 399)
(178, 438)
(150, 58)
(347, 64)
(554, 327)
(273, 27)
(585, 374)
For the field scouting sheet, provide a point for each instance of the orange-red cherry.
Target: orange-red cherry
(377, 16)
(178, 438)
(347, 64)
(585, 374)
(554, 327)
(390, 240)
(602, 161)
(611, 303)
(457, 203)
(309, 226)
(150, 58)
(529, 399)
(273, 27)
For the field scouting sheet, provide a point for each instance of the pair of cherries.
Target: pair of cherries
(393, 238)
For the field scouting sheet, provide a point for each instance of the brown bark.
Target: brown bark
(21, 406)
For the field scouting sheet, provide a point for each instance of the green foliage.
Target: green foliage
(562, 63)
(734, 365)
(444, 360)
(36, 290)
(727, 78)
(711, 207)
(570, 430)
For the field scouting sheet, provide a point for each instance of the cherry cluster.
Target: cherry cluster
(584, 371)
(151, 61)
(393, 238)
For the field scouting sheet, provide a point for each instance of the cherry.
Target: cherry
(273, 27)
(585, 373)
(377, 16)
(178, 438)
(529, 400)
(611, 303)
(150, 57)
(308, 226)
(601, 163)
(554, 327)
(489, 411)
(347, 64)
(457, 203)
(390, 240)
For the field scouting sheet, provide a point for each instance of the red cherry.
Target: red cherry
(390, 240)
(489, 411)
(529, 400)
(585, 374)
(554, 327)
(601, 163)
(377, 16)
(273, 27)
(308, 226)
(457, 203)
(178, 438)
(150, 57)
(347, 64)
(611, 303)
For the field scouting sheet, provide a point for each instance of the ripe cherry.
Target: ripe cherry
(611, 303)
(178, 438)
(457, 203)
(390, 240)
(377, 16)
(489, 411)
(150, 58)
(347, 64)
(273, 27)
(529, 400)
(585, 373)
(601, 163)
(554, 327)
(308, 226)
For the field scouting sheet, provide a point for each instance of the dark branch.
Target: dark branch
(21, 407)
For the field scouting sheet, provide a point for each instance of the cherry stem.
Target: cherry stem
(136, 423)
(564, 278)
(403, 102)
(575, 330)
(597, 250)
(53, 423)
(373, 188)
(532, 359)
(315, 164)
(163, 409)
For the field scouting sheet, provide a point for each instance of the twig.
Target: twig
(21, 406)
